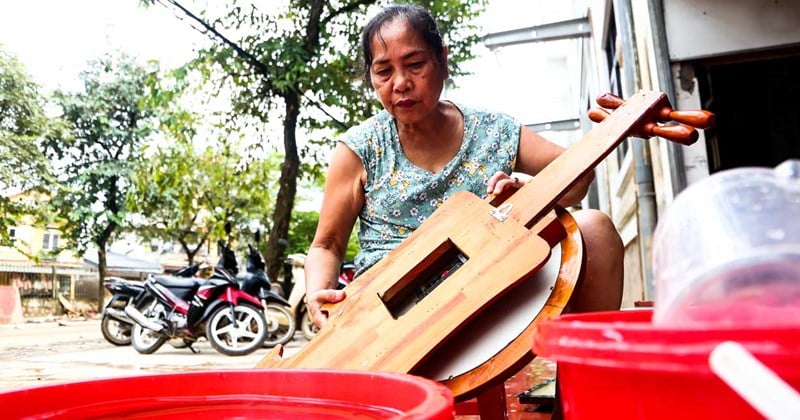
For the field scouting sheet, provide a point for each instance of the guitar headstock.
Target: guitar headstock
(678, 126)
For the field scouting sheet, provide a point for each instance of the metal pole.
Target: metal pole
(645, 200)
(665, 81)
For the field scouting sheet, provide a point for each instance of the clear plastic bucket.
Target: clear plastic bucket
(727, 250)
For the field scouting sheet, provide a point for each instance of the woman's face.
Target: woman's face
(406, 75)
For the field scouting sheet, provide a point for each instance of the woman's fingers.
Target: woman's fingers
(500, 181)
(319, 298)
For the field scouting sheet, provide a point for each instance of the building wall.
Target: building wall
(633, 289)
(707, 28)
(635, 204)
(618, 193)
(669, 40)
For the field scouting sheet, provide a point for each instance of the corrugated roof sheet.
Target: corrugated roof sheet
(122, 263)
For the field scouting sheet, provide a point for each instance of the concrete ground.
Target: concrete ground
(41, 353)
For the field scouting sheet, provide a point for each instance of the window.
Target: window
(50, 241)
(12, 235)
(64, 285)
(33, 285)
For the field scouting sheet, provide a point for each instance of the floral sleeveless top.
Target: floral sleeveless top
(399, 196)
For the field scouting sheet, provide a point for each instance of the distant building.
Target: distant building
(44, 278)
(38, 274)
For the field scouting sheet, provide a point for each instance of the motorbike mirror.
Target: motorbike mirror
(254, 260)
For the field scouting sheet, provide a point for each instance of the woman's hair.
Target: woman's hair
(419, 20)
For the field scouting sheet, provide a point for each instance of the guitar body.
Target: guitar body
(384, 326)
(458, 300)
(497, 344)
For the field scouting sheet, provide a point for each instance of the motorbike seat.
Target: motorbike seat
(178, 282)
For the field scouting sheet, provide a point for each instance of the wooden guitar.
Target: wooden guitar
(466, 267)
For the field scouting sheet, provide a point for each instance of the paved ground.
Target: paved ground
(36, 354)
(33, 354)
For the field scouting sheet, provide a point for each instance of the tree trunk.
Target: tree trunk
(284, 204)
(102, 265)
(190, 253)
(102, 269)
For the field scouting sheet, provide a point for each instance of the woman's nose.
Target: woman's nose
(402, 82)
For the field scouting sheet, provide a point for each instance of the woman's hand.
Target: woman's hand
(315, 300)
(500, 181)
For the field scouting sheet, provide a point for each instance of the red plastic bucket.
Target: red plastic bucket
(263, 394)
(619, 365)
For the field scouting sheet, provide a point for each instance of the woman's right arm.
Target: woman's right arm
(341, 203)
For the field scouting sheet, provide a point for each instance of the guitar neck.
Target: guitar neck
(531, 202)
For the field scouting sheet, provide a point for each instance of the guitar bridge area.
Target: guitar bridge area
(419, 282)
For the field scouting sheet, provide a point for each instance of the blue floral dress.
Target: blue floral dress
(399, 196)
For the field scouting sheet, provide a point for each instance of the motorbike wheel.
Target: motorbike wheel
(307, 327)
(115, 331)
(236, 331)
(280, 324)
(147, 341)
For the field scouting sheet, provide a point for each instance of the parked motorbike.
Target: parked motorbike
(281, 325)
(294, 275)
(116, 325)
(190, 308)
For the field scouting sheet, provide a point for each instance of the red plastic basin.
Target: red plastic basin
(619, 365)
(263, 394)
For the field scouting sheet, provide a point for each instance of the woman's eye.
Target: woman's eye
(416, 64)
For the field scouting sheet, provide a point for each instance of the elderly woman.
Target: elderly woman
(393, 170)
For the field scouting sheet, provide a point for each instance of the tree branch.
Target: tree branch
(346, 9)
(249, 58)
(313, 26)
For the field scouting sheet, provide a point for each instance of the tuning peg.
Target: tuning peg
(597, 114)
(698, 119)
(678, 133)
(610, 101)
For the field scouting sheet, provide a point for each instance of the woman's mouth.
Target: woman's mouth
(405, 103)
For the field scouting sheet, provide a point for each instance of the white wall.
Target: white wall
(705, 28)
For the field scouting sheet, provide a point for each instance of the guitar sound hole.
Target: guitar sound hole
(425, 289)
(424, 279)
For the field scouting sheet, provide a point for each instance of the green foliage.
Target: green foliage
(188, 194)
(299, 62)
(352, 245)
(22, 123)
(94, 157)
(301, 234)
(301, 231)
(292, 49)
